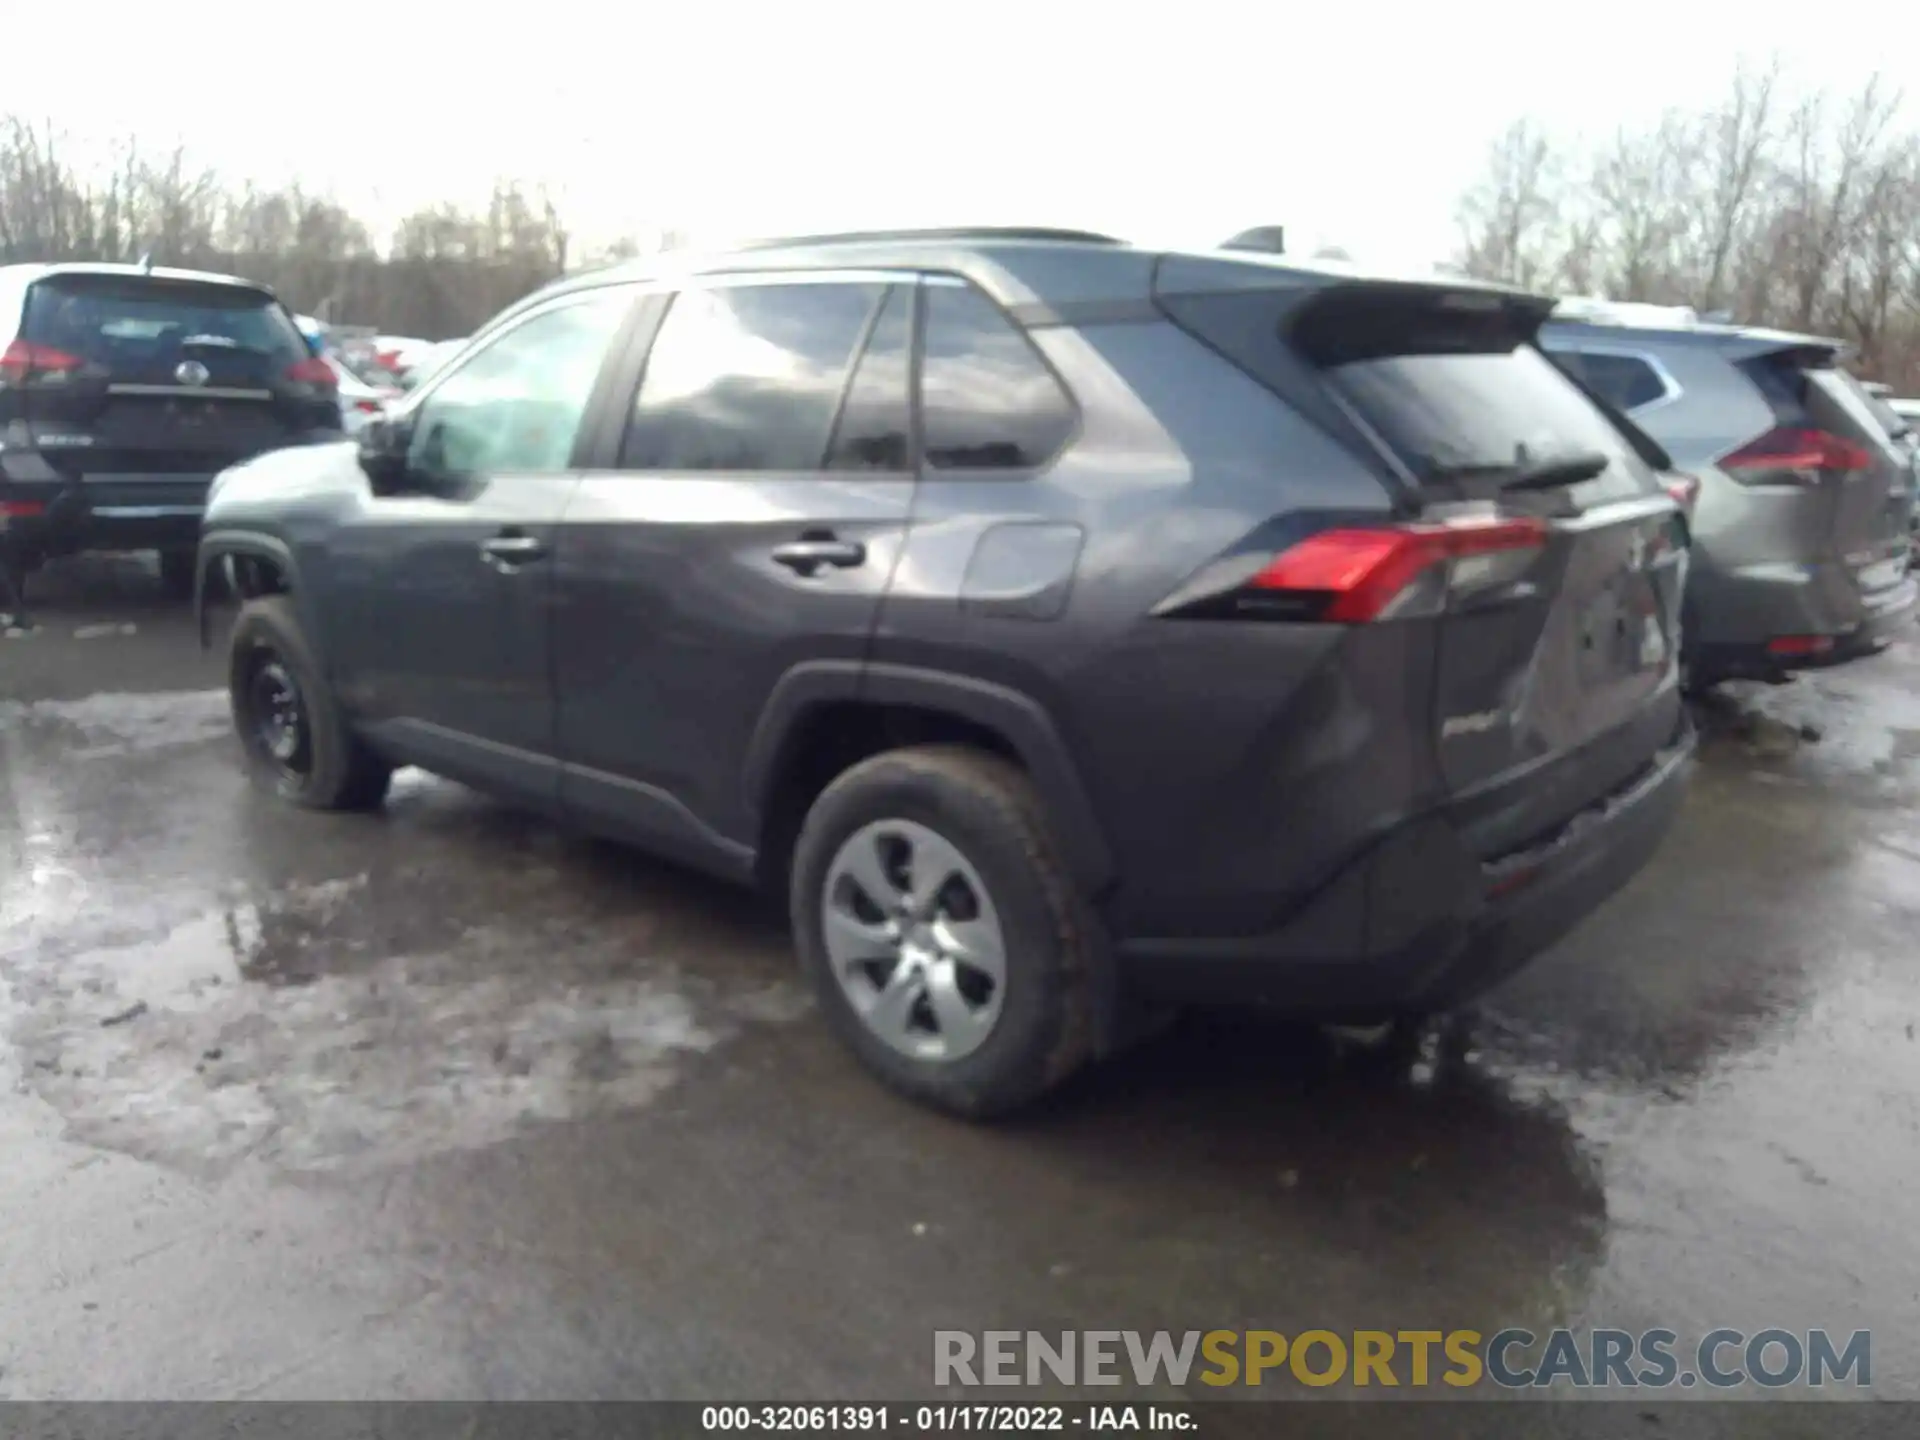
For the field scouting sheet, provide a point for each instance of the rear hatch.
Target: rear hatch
(1831, 438)
(1535, 556)
(137, 381)
(1557, 673)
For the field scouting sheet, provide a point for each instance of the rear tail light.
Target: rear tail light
(1790, 455)
(314, 373)
(1353, 575)
(1685, 490)
(22, 361)
(368, 407)
(1800, 645)
(21, 509)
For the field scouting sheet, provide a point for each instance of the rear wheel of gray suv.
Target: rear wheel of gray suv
(941, 933)
(296, 742)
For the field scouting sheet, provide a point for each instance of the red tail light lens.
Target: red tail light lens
(22, 361)
(21, 509)
(313, 371)
(1790, 455)
(1685, 490)
(1794, 645)
(1361, 573)
(368, 407)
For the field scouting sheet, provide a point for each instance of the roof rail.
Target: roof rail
(1595, 310)
(960, 233)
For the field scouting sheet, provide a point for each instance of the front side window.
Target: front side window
(747, 377)
(515, 405)
(987, 400)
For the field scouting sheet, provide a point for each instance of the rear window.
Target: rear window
(1805, 387)
(129, 322)
(1453, 414)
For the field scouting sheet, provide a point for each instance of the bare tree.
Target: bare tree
(1734, 139)
(1797, 210)
(1507, 220)
(445, 269)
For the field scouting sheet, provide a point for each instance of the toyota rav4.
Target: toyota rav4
(1065, 630)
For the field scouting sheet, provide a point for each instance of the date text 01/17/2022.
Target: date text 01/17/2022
(936, 1419)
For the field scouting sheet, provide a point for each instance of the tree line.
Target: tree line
(1793, 208)
(441, 272)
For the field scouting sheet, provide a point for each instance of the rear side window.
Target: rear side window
(1624, 381)
(133, 324)
(987, 400)
(747, 377)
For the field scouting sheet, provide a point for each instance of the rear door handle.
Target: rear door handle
(506, 552)
(805, 557)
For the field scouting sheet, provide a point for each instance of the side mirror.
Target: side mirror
(384, 442)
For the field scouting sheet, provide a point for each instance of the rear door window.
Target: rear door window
(987, 399)
(747, 377)
(143, 328)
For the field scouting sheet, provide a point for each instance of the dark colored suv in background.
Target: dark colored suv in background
(1057, 625)
(125, 389)
(1801, 525)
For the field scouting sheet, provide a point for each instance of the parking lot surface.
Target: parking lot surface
(446, 1102)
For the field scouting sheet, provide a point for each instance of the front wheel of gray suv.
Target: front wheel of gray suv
(296, 742)
(942, 936)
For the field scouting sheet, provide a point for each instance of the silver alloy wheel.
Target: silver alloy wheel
(914, 940)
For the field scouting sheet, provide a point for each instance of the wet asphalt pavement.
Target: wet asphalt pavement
(444, 1102)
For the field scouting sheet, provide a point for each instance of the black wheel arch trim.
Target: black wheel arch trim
(1019, 718)
(217, 545)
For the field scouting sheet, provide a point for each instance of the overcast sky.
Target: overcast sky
(1164, 122)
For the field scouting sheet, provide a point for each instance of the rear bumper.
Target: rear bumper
(160, 512)
(1734, 612)
(1439, 927)
(1874, 620)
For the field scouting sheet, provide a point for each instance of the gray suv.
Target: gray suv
(1800, 528)
(1063, 630)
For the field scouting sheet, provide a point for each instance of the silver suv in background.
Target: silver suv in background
(1801, 524)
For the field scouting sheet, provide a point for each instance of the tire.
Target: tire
(330, 769)
(176, 573)
(1044, 1019)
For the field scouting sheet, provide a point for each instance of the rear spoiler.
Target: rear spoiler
(1344, 322)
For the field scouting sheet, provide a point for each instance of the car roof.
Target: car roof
(1679, 324)
(1036, 273)
(29, 272)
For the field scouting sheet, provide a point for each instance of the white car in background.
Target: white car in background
(425, 362)
(359, 401)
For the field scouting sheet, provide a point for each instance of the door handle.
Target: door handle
(506, 552)
(805, 557)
